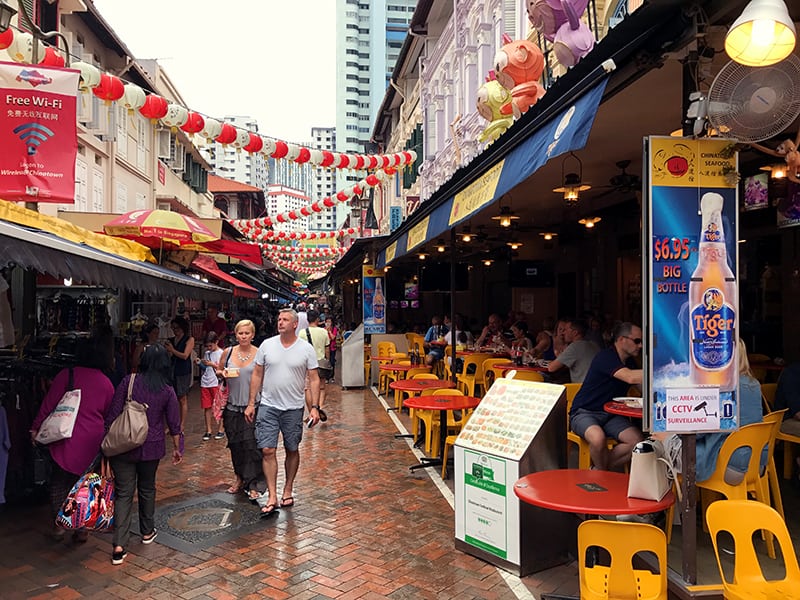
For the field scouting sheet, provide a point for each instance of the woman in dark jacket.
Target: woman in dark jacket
(137, 469)
(180, 349)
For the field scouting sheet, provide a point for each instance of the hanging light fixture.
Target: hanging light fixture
(440, 247)
(777, 171)
(571, 185)
(590, 222)
(422, 256)
(506, 217)
(763, 35)
(548, 235)
(514, 244)
(6, 14)
(487, 262)
(466, 235)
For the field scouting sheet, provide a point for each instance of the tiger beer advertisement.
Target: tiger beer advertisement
(691, 309)
(39, 133)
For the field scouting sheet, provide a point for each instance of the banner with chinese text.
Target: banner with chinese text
(38, 129)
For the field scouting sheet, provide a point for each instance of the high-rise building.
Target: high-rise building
(323, 181)
(244, 167)
(282, 199)
(289, 173)
(369, 38)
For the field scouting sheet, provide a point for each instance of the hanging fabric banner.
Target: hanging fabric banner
(38, 124)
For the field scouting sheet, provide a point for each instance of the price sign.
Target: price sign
(665, 248)
(671, 269)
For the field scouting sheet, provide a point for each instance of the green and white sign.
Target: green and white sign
(485, 487)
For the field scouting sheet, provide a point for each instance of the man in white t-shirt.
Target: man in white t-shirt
(282, 364)
(318, 337)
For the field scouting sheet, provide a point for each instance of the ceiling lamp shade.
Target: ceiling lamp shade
(571, 185)
(440, 247)
(506, 217)
(548, 235)
(422, 256)
(777, 171)
(514, 244)
(590, 222)
(763, 35)
(466, 235)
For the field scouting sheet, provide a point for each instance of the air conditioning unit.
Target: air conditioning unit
(163, 144)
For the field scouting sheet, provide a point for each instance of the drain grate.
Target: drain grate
(206, 521)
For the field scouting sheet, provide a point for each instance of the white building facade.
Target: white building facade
(282, 199)
(323, 181)
(244, 167)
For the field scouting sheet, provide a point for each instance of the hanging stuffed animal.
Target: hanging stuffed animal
(494, 105)
(574, 39)
(787, 150)
(518, 66)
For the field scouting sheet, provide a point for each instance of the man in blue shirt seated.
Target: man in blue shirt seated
(434, 333)
(610, 375)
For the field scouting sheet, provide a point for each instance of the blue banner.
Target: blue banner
(374, 300)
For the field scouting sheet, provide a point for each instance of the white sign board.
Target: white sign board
(693, 409)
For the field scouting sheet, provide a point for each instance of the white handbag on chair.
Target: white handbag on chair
(651, 473)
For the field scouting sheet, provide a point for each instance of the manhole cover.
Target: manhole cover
(205, 521)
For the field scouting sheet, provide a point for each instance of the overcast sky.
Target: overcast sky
(269, 59)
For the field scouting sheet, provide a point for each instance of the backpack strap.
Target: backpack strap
(308, 335)
(130, 387)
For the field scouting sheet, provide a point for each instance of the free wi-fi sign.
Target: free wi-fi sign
(33, 135)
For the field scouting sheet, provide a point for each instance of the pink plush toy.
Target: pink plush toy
(519, 65)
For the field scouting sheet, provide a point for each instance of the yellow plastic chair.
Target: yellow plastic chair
(620, 580)
(404, 395)
(471, 379)
(447, 369)
(490, 374)
(765, 485)
(410, 374)
(387, 377)
(756, 437)
(741, 519)
(385, 349)
(452, 425)
(584, 458)
(759, 373)
(450, 441)
(529, 376)
(768, 395)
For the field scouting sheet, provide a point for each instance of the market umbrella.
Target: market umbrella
(154, 228)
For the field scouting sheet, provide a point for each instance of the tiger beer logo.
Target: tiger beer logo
(712, 299)
(712, 233)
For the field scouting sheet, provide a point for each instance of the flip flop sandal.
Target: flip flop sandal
(269, 510)
(322, 416)
(287, 502)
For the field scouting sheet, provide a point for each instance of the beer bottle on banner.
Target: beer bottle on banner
(712, 297)
(378, 303)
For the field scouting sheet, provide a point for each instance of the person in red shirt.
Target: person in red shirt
(214, 323)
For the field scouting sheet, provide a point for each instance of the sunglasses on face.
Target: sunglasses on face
(636, 341)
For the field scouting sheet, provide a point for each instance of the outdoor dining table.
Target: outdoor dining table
(510, 365)
(415, 386)
(493, 353)
(620, 408)
(441, 403)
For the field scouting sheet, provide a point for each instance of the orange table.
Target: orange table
(510, 365)
(398, 368)
(620, 408)
(442, 404)
(494, 353)
(585, 492)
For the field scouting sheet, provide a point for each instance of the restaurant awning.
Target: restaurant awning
(567, 130)
(268, 285)
(49, 253)
(209, 266)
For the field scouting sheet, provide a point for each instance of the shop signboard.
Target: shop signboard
(38, 128)
(691, 296)
(374, 300)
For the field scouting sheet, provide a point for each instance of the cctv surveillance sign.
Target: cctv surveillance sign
(695, 409)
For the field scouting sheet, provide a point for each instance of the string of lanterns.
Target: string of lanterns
(300, 251)
(253, 228)
(111, 88)
(300, 235)
(305, 270)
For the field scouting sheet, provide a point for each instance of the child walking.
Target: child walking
(209, 383)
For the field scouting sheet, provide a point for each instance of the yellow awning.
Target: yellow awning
(20, 215)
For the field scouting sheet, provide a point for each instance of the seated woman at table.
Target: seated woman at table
(520, 342)
(709, 444)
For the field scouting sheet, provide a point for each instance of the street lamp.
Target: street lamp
(7, 12)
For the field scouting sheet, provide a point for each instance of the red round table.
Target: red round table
(442, 404)
(398, 368)
(620, 408)
(510, 365)
(585, 492)
(492, 353)
(416, 386)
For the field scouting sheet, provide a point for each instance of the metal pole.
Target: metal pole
(453, 304)
(689, 509)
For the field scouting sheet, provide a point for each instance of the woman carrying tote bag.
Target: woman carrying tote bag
(72, 456)
(136, 469)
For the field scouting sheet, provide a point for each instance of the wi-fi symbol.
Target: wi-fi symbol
(33, 134)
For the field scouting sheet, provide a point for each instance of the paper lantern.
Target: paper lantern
(293, 236)
(372, 162)
(316, 207)
(315, 157)
(280, 149)
(52, 58)
(327, 158)
(133, 97)
(305, 212)
(384, 161)
(90, 75)
(341, 196)
(255, 143)
(6, 38)
(211, 128)
(343, 162)
(194, 123)
(269, 146)
(390, 171)
(242, 138)
(372, 180)
(292, 215)
(176, 116)
(357, 190)
(303, 156)
(312, 236)
(359, 162)
(280, 218)
(154, 107)
(328, 202)
(21, 47)
(227, 134)
(292, 151)
(110, 89)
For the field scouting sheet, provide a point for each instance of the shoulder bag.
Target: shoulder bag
(59, 424)
(324, 363)
(651, 473)
(90, 502)
(221, 395)
(129, 429)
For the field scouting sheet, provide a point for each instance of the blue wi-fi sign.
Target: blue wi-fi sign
(33, 134)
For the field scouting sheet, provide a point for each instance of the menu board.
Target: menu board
(509, 416)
